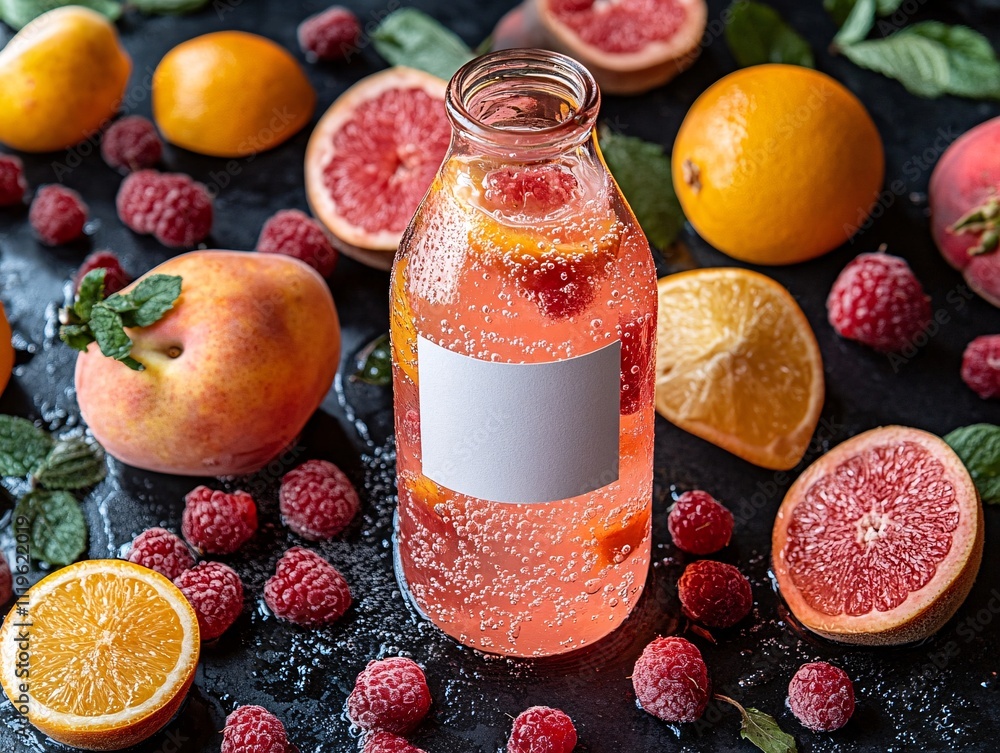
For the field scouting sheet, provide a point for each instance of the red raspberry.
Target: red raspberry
(714, 593)
(821, 696)
(330, 35)
(541, 729)
(252, 729)
(131, 144)
(139, 199)
(390, 695)
(386, 742)
(170, 206)
(530, 189)
(638, 344)
(306, 589)
(671, 680)
(318, 501)
(6, 580)
(295, 233)
(698, 524)
(160, 550)
(216, 522)
(12, 182)
(216, 593)
(115, 277)
(878, 301)
(981, 366)
(57, 215)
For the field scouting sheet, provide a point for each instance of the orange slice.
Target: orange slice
(111, 650)
(402, 330)
(737, 364)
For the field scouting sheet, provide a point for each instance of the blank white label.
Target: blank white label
(524, 433)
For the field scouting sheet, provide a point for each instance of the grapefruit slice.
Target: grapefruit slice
(880, 540)
(373, 156)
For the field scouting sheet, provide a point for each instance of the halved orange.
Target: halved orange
(110, 649)
(737, 364)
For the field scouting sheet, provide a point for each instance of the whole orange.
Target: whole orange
(230, 94)
(776, 164)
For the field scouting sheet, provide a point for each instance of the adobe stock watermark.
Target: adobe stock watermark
(22, 611)
(956, 300)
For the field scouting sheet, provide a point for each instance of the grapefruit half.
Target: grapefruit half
(880, 540)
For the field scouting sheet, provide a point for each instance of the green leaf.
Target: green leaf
(109, 331)
(77, 336)
(19, 13)
(153, 297)
(978, 446)
(642, 170)
(757, 34)
(410, 37)
(859, 22)
(169, 7)
(931, 59)
(841, 9)
(888, 7)
(763, 731)
(57, 526)
(74, 463)
(23, 446)
(375, 363)
(91, 293)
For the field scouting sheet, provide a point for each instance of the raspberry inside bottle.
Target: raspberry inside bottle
(523, 328)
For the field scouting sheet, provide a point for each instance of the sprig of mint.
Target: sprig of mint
(23, 446)
(841, 9)
(761, 729)
(168, 7)
(375, 363)
(55, 523)
(94, 318)
(73, 463)
(19, 13)
(642, 170)
(756, 34)
(412, 38)
(978, 446)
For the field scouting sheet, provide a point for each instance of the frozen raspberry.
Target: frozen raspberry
(537, 190)
(57, 215)
(252, 729)
(295, 233)
(714, 594)
(216, 522)
(170, 206)
(160, 550)
(386, 742)
(330, 35)
(306, 589)
(115, 277)
(821, 696)
(318, 501)
(878, 301)
(638, 345)
(981, 366)
(671, 680)
(131, 144)
(541, 729)
(216, 593)
(698, 524)
(390, 695)
(12, 182)
(6, 580)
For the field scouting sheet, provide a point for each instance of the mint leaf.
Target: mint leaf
(841, 9)
(91, 293)
(57, 527)
(410, 37)
(978, 446)
(77, 336)
(642, 170)
(757, 34)
(19, 13)
(109, 331)
(375, 362)
(888, 7)
(23, 446)
(763, 731)
(153, 297)
(857, 24)
(169, 7)
(73, 463)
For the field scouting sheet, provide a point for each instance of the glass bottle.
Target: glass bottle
(523, 328)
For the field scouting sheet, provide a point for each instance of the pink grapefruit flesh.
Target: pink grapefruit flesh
(880, 540)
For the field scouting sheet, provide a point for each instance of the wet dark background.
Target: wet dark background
(941, 695)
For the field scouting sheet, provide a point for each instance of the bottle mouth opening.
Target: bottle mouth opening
(524, 98)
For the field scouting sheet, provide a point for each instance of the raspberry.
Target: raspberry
(170, 206)
(131, 144)
(295, 233)
(541, 729)
(160, 550)
(390, 695)
(714, 594)
(537, 190)
(317, 500)
(698, 524)
(981, 366)
(306, 589)
(216, 522)
(386, 742)
(6, 580)
(252, 729)
(821, 696)
(115, 277)
(638, 343)
(57, 215)
(671, 680)
(878, 301)
(12, 182)
(216, 593)
(330, 35)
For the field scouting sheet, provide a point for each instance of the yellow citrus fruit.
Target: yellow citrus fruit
(61, 78)
(6, 350)
(776, 164)
(111, 650)
(230, 94)
(402, 330)
(738, 365)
